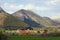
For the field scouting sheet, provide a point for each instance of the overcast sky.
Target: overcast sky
(49, 8)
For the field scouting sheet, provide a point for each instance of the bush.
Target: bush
(2, 36)
(38, 31)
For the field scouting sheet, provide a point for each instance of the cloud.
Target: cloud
(52, 2)
(0, 0)
(12, 8)
(55, 15)
(42, 8)
(29, 7)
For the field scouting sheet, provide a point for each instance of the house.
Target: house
(26, 31)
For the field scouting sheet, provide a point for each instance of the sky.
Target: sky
(48, 8)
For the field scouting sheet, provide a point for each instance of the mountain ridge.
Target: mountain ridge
(28, 14)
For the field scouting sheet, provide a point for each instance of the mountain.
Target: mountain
(49, 20)
(31, 18)
(57, 21)
(2, 17)
(53, 22)
(8, 21)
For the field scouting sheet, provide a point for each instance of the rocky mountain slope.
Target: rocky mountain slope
(31, 18)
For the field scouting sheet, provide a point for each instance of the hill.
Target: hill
(7, 21)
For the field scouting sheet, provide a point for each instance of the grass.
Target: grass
(32, 38)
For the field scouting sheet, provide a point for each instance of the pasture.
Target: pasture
(29, 37)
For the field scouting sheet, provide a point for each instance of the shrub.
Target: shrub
(38, 31)
(2, 36)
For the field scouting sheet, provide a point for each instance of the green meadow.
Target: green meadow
(32, 38)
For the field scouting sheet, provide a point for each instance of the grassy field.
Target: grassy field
(32, 38)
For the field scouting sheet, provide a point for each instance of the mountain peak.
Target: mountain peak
(22, 10)
(1, 10)
(30, 18)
